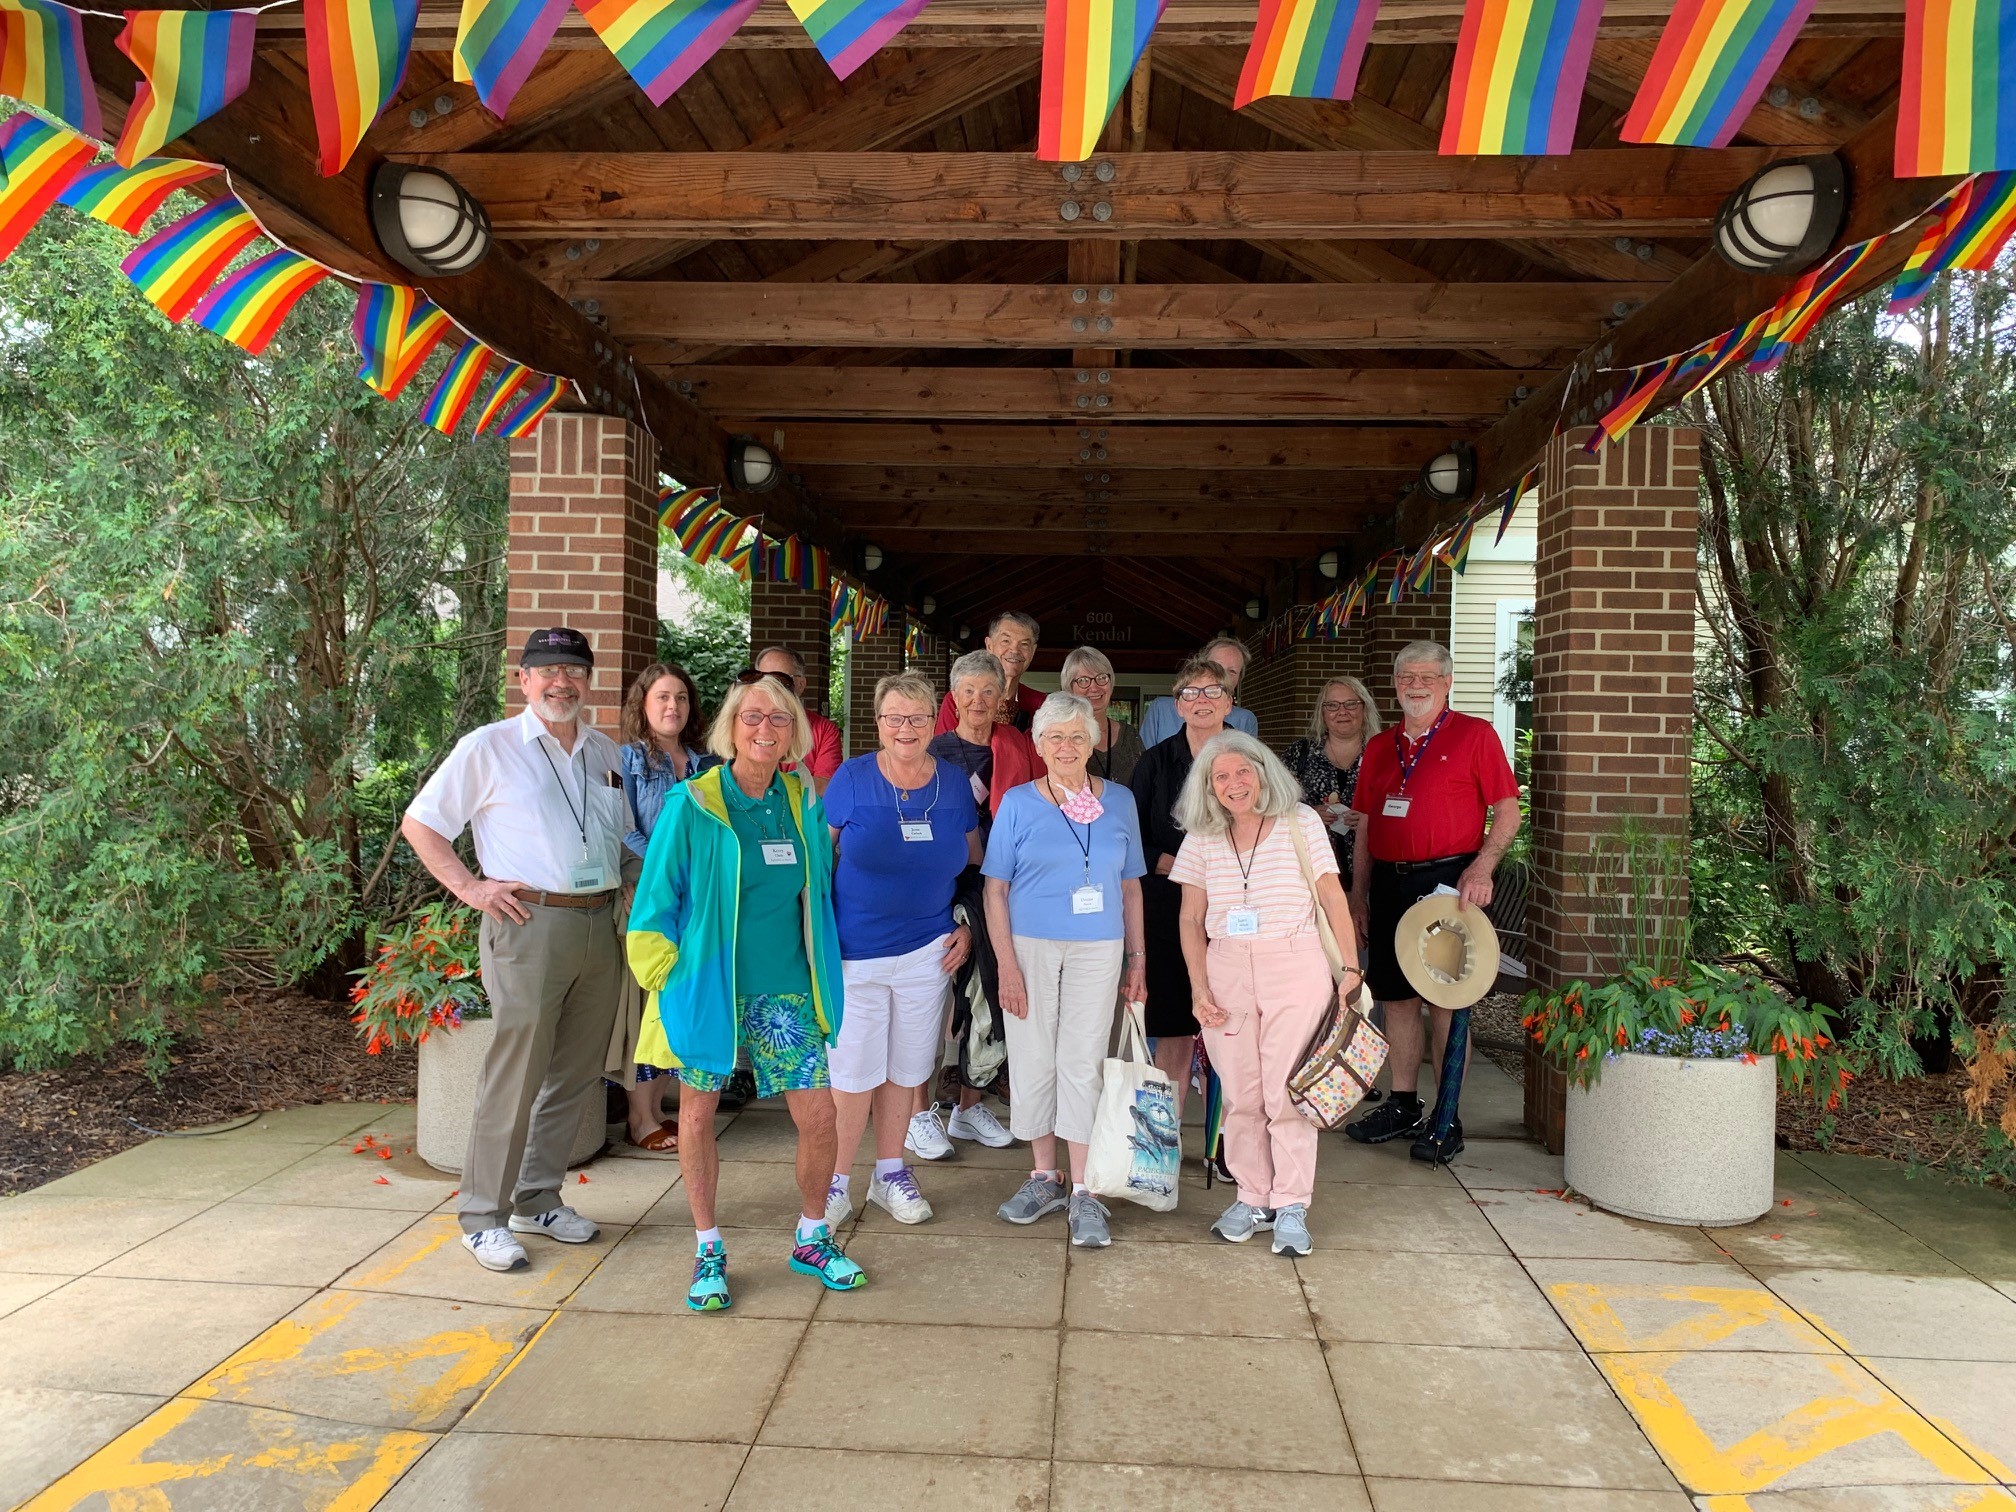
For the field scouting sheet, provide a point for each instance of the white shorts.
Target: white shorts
(893, 1020)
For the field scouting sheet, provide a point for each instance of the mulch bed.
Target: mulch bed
(247, 1054)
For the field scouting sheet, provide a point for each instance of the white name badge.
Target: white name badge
(588, 876)
(779, 853)
(1090, 898)
(1396, 808)
(1240, 922)
(916, 829)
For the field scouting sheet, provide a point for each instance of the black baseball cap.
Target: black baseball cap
(555, 647)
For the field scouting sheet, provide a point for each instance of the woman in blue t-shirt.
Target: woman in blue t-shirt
(905, 825)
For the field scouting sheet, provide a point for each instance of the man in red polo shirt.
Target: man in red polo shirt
(1426, 789)
(826, 754)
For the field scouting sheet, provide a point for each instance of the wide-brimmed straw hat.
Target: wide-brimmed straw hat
(1448, 950)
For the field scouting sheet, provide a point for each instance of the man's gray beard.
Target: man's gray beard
(545, 710)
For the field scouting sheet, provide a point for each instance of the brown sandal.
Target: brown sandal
(662, 1141)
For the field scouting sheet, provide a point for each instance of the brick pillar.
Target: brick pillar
(868, 662)
(932, 655)
(1281, 689)
(1613, 675)
(1420, 616)
(783, 614)
(584, 549)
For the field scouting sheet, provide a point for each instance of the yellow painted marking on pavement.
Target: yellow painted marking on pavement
(1591, 1310)
(537, 1334)
(440, 1232)
(531, 1287)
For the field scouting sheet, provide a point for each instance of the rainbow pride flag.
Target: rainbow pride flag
(246, 308)
(1454, 552)
(126, 198)
(1713, 357)
(1520, 67)
(1310, 49)
(530, 407)
(356, 60)
(1973, 225)
(175, 265)
(456, 387)
(1636, 402)
(37, 163)
(396, 329)
(1801, 307)
(500, 42)
(511, 378)
(792, 561)
(843, 603)
(192, 64)
(1090, 48)
(42, 62)
(1528, 481)
(1712, 65)
(705, 531)
(673, 504)
(913, 641)
(872, 618)
(1956, 105)
(850, 32)
(663, 43)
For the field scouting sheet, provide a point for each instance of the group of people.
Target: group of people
(1005, 870)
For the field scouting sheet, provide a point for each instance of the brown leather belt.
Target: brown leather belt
(565, 900)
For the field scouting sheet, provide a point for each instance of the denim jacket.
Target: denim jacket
(648, 780)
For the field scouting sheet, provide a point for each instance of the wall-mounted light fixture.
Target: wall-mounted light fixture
(427, 222)
(1783, 217)
(752, 466)
(1451, 476)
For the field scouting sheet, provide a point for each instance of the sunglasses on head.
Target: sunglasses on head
(750, 675)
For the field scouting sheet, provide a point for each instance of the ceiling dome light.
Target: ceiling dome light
(930, 604)
(752, 466)
(1784, 217)
(1451, 477)
(871, 558)
(1255, 608)
(426, 222)
(1329, 564)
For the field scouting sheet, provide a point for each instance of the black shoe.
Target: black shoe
(1439, 1149)
(1372, 1095)
(1401, 1116)
(740, 1091)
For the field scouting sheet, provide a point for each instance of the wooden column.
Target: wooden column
(869, 661)
(1613, 694)
(783, 614)
(584, 549)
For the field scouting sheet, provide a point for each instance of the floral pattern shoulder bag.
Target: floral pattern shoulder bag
(1344, 1058)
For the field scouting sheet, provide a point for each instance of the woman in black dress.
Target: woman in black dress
(1325, 761)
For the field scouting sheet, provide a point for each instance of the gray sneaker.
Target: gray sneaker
(562, 1223)
(1038, 1195)
(1241, 1222)
(1291, 1230)
(1088, 1222)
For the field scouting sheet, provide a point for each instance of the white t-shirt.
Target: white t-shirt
(1272, 883)
(505, 783)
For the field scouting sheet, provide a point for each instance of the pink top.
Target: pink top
(1272, 882)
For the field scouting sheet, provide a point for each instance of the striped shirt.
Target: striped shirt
(1272, 882)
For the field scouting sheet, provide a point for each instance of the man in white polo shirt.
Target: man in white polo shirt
(544, 803)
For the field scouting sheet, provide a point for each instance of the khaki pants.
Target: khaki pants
(1056, 1054)
(553, 984)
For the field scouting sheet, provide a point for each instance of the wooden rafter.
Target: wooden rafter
(1156, 447)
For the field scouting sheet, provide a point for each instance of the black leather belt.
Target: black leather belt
(1402, 868)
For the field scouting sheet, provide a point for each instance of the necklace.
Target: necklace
(902, 790)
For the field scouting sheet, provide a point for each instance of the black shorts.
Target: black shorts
(1392, 893)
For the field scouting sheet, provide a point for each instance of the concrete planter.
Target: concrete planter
(1676, 1141)
(451, 1068)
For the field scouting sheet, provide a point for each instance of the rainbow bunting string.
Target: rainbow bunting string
(1454, 552)
(456, 387)
(850, 32)
(1526, 484)
(499, 42)
(704, 530)
(1090, 48)
(42, 62)
(913, 642)
(1974, 223)
(192, 64)
(175, 265)
(1520, 67)
(356, 60)
(1956, 104)
(39, 161)
(1712, 64)
(663, 43)
(530, 407)
(247, 307)
(396, 329)
(674, 502)
(1634, 405)
(843, 603)
(511, 377)
(1709, 360)
(1310, 49)
(1801, 307)
(872, 618)
(126, 198)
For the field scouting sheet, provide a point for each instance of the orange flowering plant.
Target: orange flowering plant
(1704, 1013)
(424, 975)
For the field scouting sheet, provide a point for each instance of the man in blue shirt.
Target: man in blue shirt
(1162, 720)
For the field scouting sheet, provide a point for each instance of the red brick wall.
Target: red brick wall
(1423, 616)
(783, 614)
(868, 662)
(584, 549)
(1282, 689)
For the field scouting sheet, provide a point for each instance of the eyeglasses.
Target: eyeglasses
(1093, 680)
(568, 670)
(1418, 679)
(1339, 705)
(906, 721)
(1209, 690)
(777, 720)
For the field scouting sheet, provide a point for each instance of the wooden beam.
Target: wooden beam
(1057, 541)
(1138, 316)
(957, 514)
(1001, 196)
(1462, 395)
(1276, 447)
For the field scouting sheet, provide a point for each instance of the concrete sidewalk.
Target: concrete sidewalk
(269, 1318)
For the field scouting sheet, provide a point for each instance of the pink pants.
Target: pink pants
(1275, 993)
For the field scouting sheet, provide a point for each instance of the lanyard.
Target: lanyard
(763, 815)
(896, 793)
(1070, 824)
(580, 818)
(1245, 865)
(1407, 763)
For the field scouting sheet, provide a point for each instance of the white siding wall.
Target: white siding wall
(1501, 572)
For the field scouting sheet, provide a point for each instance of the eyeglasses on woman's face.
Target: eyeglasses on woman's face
(905, 721)
(1207, 690)
(1086, 682)
(1339, 705)
(755, 719)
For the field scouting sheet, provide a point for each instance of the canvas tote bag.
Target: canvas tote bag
(1344, 1058)
(1136, 1143)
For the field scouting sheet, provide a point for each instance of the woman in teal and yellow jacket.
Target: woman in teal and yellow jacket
(732, 936)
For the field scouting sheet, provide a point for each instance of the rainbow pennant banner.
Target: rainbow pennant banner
(175, 265)
(792, 561)
(1973, 225)
(1520, 67)
(843, 603)
(456, 388)
(673, 503)
(872, 618)
(850, 32)
(530, 407)
(1526, 484)
(1801, 307)
(37, 163)
(499, 43)
(663, 43)
(511, 378)
(913, 641)
(396, 329)
(1713, 357)
(42, 62)
(1956, 105)
(1636, 403)
(1310, 49)
(356, 60)
(247, 307)
(192, 64)
(704, 530)
(1454, 552)
(1711, 67)
(126, 198)
(1090, 49)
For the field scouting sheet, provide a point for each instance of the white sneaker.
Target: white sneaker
(563, 1223)
(839, 1206)
(495, 1249)
(897, 1195)
(926, 1137)
(978, 1122)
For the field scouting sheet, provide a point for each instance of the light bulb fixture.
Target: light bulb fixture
(1255, 608)
(965, 632)
(752, 466)
(1451, 476)
(1784, 216)
(1329, 564)
(930, 604)
(871, 558)
(426, 222)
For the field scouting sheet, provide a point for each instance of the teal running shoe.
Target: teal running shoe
(820, 1256)
(709, 1291)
